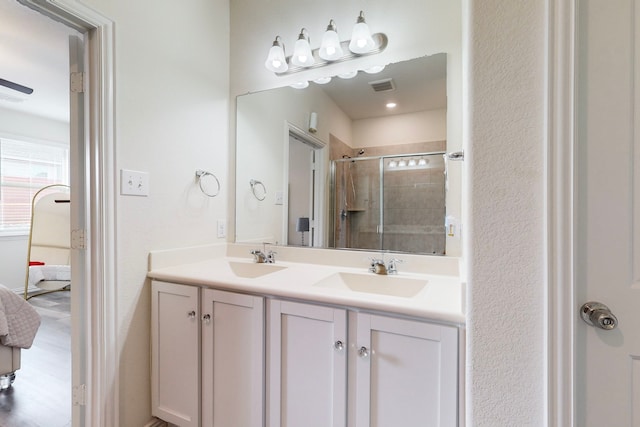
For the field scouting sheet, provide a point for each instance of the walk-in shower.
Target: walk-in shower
(392, 202)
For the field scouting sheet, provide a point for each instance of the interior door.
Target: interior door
(607, 380)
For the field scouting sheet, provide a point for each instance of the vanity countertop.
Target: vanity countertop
(441, 299)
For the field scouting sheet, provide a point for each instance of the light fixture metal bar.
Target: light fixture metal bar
(381, 44)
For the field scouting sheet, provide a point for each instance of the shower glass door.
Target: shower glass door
(356, 201)
(414, 204)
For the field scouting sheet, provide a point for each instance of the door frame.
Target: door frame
(95, 389)
(560, 308)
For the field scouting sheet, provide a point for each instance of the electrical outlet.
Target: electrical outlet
(222, 228)
(279, 198)
(133, 183)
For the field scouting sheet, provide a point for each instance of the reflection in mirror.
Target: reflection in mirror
(390, 203)
(400, 207)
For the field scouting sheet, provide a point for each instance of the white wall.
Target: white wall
(172, 111)
(14, 124)
(505, 234)
(423, 126)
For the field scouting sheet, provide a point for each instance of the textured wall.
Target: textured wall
(172, 103)
(504, 225)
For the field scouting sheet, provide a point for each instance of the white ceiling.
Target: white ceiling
(34, 52)
(419, 84)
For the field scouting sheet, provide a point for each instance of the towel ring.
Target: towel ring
(254, 183)
(200, 174)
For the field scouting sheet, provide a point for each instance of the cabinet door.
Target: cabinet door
(405, 372)
(232, 359)
(306, 365)
(175, 350)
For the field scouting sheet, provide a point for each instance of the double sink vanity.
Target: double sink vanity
(315, 338)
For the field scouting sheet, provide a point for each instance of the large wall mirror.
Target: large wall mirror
(332, 165)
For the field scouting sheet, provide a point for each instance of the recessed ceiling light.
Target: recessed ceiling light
(391, 105)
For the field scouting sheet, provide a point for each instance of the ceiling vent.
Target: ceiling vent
(385, 85)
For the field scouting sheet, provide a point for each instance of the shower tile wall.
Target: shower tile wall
(414, 202)
(414, 210)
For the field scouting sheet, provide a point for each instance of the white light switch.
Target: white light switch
(134, 183)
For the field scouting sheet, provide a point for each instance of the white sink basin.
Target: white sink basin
(396, 286)
(250, 270)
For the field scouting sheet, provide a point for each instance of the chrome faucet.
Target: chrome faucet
(392, 266)
(378, 266)
(259, 256)
(264, 256)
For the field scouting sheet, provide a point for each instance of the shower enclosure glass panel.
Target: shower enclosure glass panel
(394, 203)
(356, 199)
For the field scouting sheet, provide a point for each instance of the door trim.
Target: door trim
(560, 218)
(97, 343)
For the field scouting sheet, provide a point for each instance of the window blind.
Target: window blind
(26, 167)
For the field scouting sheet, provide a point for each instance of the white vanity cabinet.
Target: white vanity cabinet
(207, 356)
(306, 365)
(400, 372)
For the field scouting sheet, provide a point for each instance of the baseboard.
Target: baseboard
(156, 422)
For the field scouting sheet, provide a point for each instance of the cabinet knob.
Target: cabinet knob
(339, 345)
(363, 352)
(191, 314)
(206, 318)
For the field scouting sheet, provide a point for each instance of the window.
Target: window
(26, 167)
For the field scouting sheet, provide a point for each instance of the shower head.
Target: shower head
(361, 152)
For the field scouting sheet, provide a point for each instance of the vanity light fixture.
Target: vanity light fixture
(393, 164)
(423, 162)
(402, 163)
(361, 40)
(412, 162)
(348, 75)
(331, 50)
(276, 60)
(322, 80)
(374, 70)
(302, 55)
(300, 85)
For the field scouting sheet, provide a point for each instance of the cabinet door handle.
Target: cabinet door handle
(206, 318)
(363, 352)
(191, 314)
(339, 345)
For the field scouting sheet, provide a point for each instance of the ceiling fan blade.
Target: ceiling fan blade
(16, 86)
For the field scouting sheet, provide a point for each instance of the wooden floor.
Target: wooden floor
(41, 393)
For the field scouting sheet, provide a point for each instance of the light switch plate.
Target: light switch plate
(279, 198)
(134, 183)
